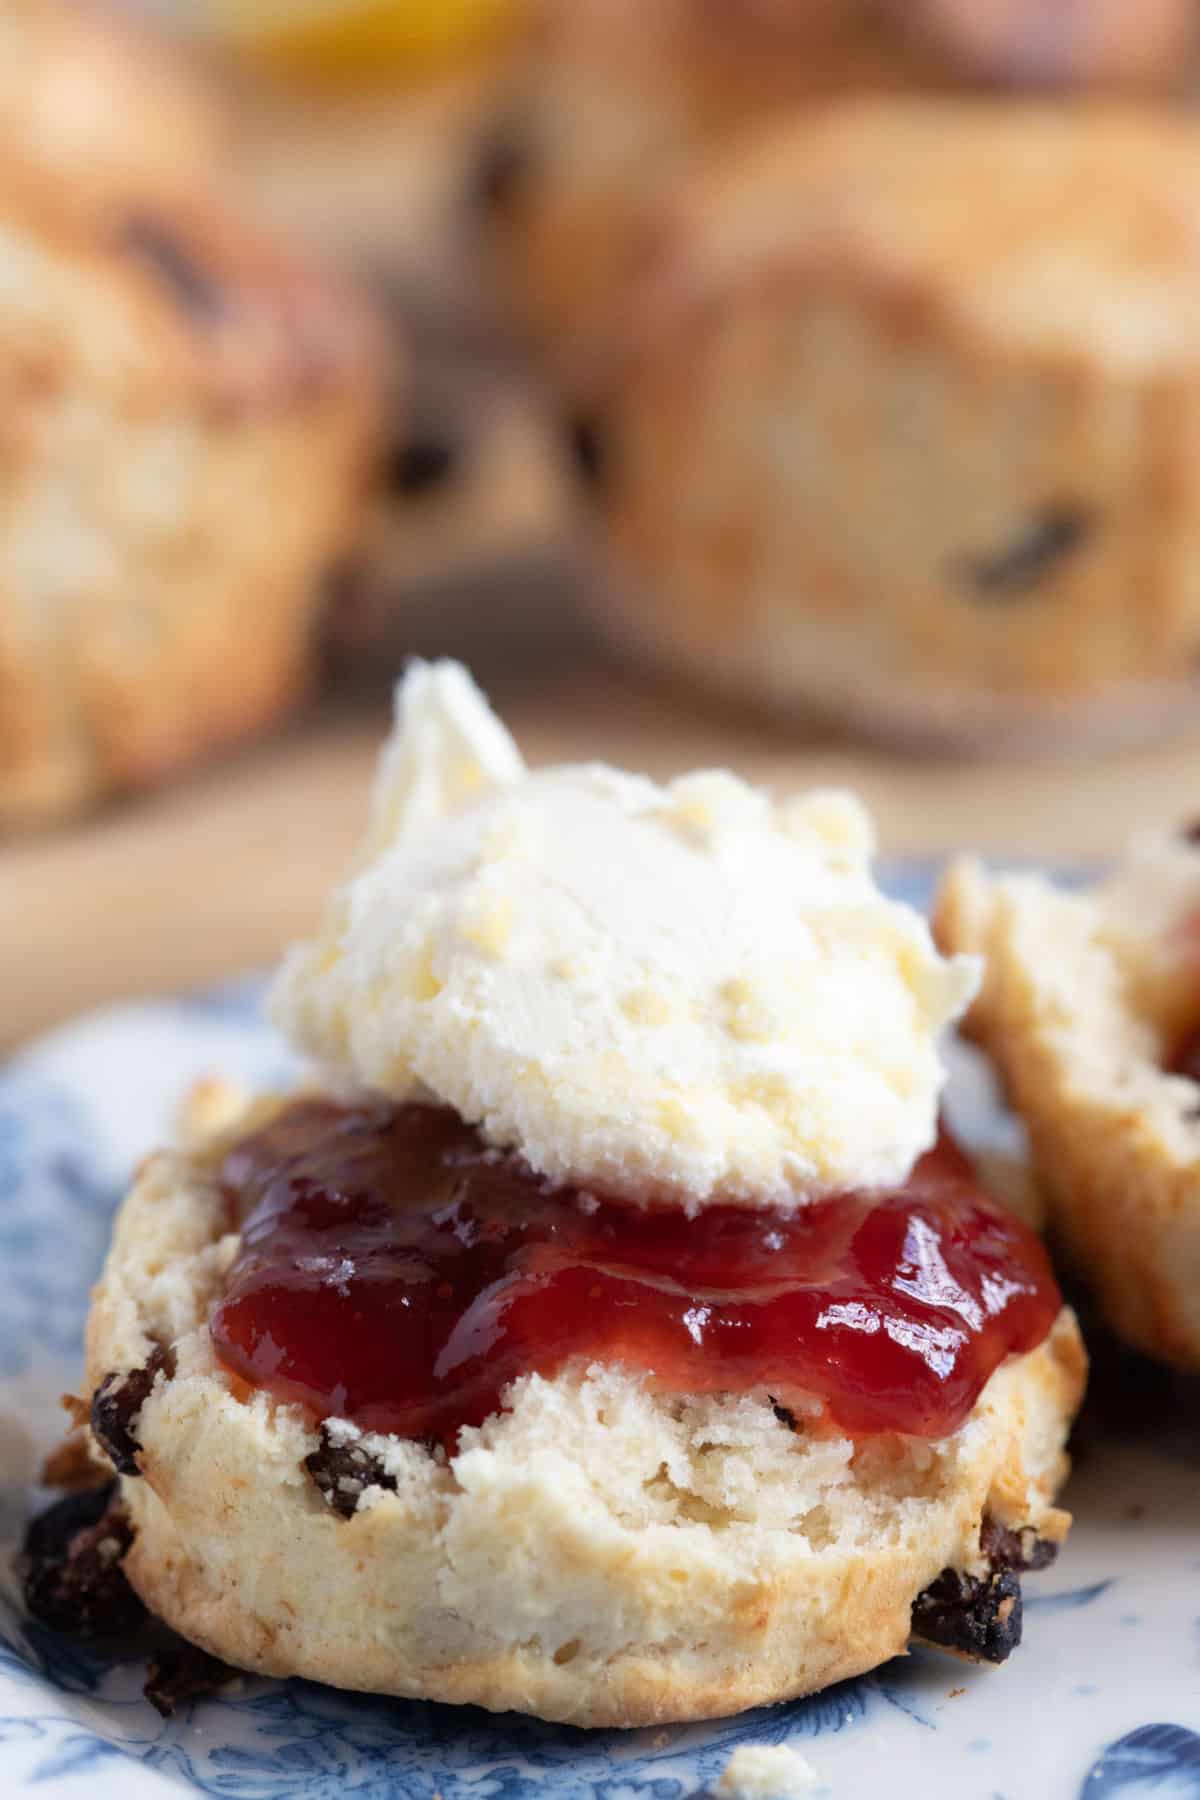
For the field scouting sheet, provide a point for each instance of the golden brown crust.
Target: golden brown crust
(619, 100)
(187, 413)
(594, 1554)
(874, 452)
(1078, 1042)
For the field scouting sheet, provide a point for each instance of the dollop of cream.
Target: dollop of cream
(684, 992)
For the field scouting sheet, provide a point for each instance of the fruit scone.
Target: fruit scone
(861, 448)
(608, 1333)
(1090, 1009)
(614, 100)
(188, 410)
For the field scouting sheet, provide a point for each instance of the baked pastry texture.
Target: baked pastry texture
(864, 447)
(610, 1333)
(614, 101)
(595, 1553)
(187, 411)
(1086, 999)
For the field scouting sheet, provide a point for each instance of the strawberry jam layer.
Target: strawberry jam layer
(396, 1271)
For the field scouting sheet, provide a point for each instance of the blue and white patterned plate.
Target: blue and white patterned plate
(1103, 1699)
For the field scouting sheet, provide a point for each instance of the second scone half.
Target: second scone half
(857, 449)
(579, 1344)
(1088, 1008)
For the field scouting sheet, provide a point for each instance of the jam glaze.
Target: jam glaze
(396, 1271)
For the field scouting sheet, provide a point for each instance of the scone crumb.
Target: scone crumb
(766, 1772)
(211, 1106)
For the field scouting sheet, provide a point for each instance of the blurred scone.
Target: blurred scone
(98, 106)
(615, 100)
(584, 1364)
(1091, 1010)
(185, 412)
(596, 1552)
(901, 425)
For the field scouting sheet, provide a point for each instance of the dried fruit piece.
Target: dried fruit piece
(115, 1408)
(181, 1672)
(589, 449)
(1185, 1057)
(501, 168)
(194, 289)
(978, 1616)
(1021, 1550)
(343, 1471)
(71, 1566)
(418, 463)
(1016, 568)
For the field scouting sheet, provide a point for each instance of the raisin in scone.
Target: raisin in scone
(608, 1332)
(866, 448)
(615, 101)
(1090, 1009)
(187, 412)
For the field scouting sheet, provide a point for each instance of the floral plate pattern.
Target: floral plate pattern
(1102, 1700)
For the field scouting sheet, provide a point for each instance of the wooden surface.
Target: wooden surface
(216, 875)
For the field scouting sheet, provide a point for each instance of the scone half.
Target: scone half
(853, 455)
(595, 1553)
(173, 379)
(1085, 999)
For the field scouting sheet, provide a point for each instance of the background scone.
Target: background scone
(186, 413)
(595, 1553)
(1090, 1003)
(614, 101)
(866, 448)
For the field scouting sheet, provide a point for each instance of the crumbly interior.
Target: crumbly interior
(1085, 996)
(594, 1552)
(771, 530)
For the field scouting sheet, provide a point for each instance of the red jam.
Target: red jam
(395, 1271)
